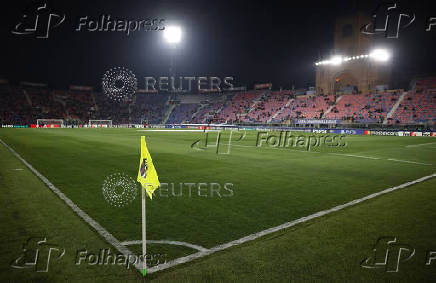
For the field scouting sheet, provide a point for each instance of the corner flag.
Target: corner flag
(147, 174)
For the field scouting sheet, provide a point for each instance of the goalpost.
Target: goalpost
(100, 123)
(50, 123)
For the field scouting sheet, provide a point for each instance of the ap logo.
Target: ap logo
(38, 19)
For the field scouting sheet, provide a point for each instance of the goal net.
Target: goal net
(100, 123)
(50, 123)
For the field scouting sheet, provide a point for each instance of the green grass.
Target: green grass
(270, 185)
(29, 209)
(330, 249)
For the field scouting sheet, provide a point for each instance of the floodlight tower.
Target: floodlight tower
(173, 36)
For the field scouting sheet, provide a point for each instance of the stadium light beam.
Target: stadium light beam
(336, 60)
(173, 34)
(381, 55)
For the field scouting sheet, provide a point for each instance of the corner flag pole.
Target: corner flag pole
(144, 235)
(147, 176)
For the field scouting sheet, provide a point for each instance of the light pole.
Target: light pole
(173, 36)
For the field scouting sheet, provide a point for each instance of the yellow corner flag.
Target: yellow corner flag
(147, 174)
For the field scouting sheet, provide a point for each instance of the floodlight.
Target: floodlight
(173, 34)
(336, 60)
(381, 55)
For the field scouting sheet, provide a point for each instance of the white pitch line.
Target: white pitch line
(412, 162)
(279, 148)
(353, 155)
(376, 158)
(281, 227)
(118, 245)
(421, 144)
(175, 131)
(177, 243)
(102, 231)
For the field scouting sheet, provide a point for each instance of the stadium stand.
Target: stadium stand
(14, 108)
(309, 107)
(312, 107)
(79, 105)
(43, 103)
(119, 113)
(268, 105)
(149, 108)
(24, 104)
(419, 105)
(182, 113)
(239, 105)
(207, 113)
(364, 108)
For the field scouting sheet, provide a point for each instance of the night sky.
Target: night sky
(255, 42)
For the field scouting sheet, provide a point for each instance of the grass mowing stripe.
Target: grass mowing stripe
(284, 226)
(102, 231)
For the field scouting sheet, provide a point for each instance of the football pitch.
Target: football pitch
(212, 197)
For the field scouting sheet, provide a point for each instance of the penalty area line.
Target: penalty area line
(175, 131)
(421, 144)
(358, 156)
(94, 224)
(411, 162)
(286, 225)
